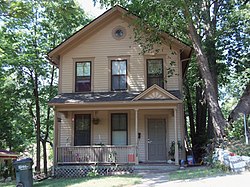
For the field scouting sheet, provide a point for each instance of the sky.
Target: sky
(90, 9)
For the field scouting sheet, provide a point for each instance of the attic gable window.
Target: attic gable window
(119, 75)
(155, 72)
(83, 76)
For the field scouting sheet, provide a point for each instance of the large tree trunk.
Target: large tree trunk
(201, 111)
(219, 123)
(201, 116)
(210, 47)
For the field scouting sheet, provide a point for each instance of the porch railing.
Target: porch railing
(96, 154)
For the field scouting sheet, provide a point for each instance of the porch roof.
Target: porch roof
(97, 97)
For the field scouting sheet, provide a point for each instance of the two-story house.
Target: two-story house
(116, 104)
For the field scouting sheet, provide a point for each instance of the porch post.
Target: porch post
(176, 154)
(136, 137)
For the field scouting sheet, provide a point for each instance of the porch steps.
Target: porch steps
(154, 168)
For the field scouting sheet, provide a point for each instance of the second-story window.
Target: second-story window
(155, 72)
(118, 75)
(83, 76)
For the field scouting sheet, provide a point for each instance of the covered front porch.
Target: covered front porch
(121, 128)
(142, 138)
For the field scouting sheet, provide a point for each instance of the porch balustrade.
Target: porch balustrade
(105, 154)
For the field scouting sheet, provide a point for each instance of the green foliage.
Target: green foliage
(171, 151)
(219, 166)
(233, 46)
(93, 172)
(29, 29)
(13, 134)
(239, 147)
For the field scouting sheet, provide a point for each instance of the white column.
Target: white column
(136, 137)
(176, 154)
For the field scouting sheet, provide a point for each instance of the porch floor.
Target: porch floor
(143, 168)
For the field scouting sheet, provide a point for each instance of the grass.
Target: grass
(125, 180)
(104, 181)
(194, 173)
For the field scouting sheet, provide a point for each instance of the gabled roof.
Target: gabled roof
(155, 92)
(93, 26)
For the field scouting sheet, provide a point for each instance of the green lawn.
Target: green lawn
(124, 180)
(192, 173)
(104, 181)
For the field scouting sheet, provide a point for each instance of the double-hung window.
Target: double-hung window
(83, 76)
(155, 72)
(118, 75)
(82, 129)
(119, 129)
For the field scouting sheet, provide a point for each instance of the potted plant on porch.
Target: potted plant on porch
(171, 152)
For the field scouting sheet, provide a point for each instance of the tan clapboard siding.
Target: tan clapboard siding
(65, 130)
(101, 46)
(137, 75)
(173, 81)
(100, 131)
(67, 76)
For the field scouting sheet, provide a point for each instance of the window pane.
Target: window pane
(83, 84)
(115, 83)
(115, 67)
(123, 67)
(115, 121)
(119, 82)
(157, 80)
(119, 138)
(86, 69)
(123, 83)
(79, 69)
(119, 122)
(155, 67)
(83, 68)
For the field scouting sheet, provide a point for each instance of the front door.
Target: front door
(82, 129)
(156, 140)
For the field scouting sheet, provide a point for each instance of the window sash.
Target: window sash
(82, 130)
(155, 76)
(119, 129)
(83, 76)
(119, 75)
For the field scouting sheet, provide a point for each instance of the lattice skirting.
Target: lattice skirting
(65, 171)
